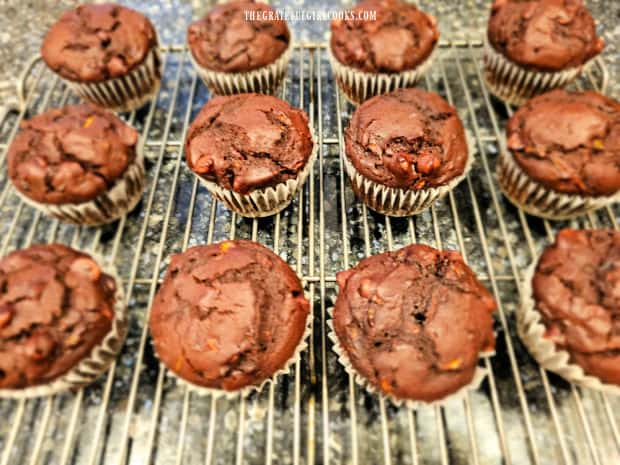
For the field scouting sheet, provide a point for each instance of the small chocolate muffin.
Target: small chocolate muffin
(248, 141)
(569, 142)
(56, 305)
(94, 43)
(576, 288)
(544, 35)
(71, 154)
(228, 315)
(408, 139)
(238, 37)
(400, 39)
(413, 322)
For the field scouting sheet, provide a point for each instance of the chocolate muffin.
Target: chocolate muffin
(396, 46)
(410, 143)
(562, 143)
(576, 289)
(413, 322)
(240, 46)
(78, 163)
(253, 151)
(56, 307)
(108, 52)
(228, 315)
(537, 45)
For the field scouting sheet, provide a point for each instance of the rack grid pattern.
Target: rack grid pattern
(136, 414)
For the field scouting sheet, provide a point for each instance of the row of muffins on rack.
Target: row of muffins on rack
(110, 54)
(229, 318)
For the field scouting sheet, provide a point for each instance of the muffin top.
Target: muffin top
(413, 322)
(93, 43)
(56, 304)
(248, 141)
(569, 142)
(399, 39)
(238, 37)
(408, 139)
(544, 35)
(228, 315)
(576, 288)
(70, 154)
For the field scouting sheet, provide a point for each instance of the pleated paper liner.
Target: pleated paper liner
(393, 201)
(247, 390)
(100, 357)
(124, 93)
(538, 200)
(264, 80)
(531, 330)
(264, 202)
(108, 206)
(479, 375)
(516, 85)
(359, 86)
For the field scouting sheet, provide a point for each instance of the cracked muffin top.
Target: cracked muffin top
(93, 43)
(576, 288)
(70, 154)
(399, 39)
(56, 305)
(238, 37)
(413, 322)
(569, 142)
(544, 35)
(248, 141)
(407, 139)
(228, 315)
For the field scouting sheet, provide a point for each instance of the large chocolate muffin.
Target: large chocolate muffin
(248, 141)
(544, 35)
(70, 154)
(93, 43)
(569, 142)
(576, 289)
(228, 315)
(408, 139)
(401, 37)
(56, 305)
(238, 37)
(413, 322)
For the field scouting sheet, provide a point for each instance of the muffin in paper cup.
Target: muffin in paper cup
(256, 168)
(538, 200)
(523, 59)
(219, 348)
(255, 29)
(412, 325)
(359, 86)
(532, 332)
(101, 356)
(107, 54)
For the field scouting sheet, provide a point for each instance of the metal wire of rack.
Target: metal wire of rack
(137, 415)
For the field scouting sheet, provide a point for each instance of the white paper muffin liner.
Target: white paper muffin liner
(358, 85)
(263, 80)
(263, 202)
(124, 93)
(531, 330)
(393, 201)
(100, 357)
(479, 374)
(515, 85)
(247, 390)
(107, 206)
(538, 200)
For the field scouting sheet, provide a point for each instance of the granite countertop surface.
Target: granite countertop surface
(23, 24)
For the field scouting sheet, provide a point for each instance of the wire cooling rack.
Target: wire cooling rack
(136, 414)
